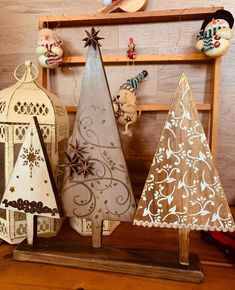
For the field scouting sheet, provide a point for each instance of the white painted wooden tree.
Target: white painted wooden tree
(183, 189)
(31, 187)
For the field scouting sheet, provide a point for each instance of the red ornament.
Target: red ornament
(131, 53)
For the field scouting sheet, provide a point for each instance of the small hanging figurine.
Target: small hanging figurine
(131, 53)
(215, 36)
(49, 49)
(124, 103)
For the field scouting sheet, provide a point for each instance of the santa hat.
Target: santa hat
(219, 14)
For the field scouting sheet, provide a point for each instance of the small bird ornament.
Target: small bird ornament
(215, 36)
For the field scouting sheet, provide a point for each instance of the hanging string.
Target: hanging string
(75, 82)
(178, 38)
(66, 65)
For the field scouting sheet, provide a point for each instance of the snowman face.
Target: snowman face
(217, 23)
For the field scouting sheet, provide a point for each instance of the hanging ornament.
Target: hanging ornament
(49, 49)
(124, 103)
(131, 53)
(215, 36)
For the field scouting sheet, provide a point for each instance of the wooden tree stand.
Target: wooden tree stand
(141, 262)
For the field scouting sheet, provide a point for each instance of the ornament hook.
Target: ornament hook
(28, 64)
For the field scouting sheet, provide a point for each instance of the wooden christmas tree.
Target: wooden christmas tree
(96, 184)
(183, 189)
(31, 188)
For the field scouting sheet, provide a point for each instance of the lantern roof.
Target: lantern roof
(26, 98)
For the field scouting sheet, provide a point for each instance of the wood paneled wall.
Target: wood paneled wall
(18, 35)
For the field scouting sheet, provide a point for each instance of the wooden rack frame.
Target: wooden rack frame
(147, 17)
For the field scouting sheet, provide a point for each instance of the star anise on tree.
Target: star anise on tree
(92, 38)
(78, 150)
(86, 168)
(73, 164)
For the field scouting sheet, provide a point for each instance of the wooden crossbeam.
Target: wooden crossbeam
(151, 108)
(127, 18)
(144, 58)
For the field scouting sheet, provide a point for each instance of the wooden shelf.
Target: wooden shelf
(127, 18)
(147, 17)
(145, 58)
(152, 107)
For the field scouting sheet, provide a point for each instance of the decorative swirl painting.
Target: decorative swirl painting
(183, 189)
(96, 183)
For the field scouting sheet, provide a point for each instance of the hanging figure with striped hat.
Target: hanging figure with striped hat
(214, 38)
(124, 103)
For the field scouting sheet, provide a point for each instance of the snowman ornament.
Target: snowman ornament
(215, 36)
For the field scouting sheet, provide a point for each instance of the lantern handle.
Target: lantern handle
(28, 64)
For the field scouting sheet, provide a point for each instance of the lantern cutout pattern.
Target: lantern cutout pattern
(18, 104)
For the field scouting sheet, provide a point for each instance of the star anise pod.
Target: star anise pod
(92, 38)
(86, 168)
(73, 164)
(78, 150)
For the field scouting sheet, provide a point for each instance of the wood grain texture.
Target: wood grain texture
(184, 247)
(140, 262)
(130, 18)
(35, 276)
(183, 189)
(18, 43)
(124, 5)
(96, 181)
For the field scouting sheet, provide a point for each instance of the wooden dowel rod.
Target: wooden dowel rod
(97, 228)
(31, 221)
(144, 58)
(196, 13)
(184, 246)
(151, 108)
(216, 75)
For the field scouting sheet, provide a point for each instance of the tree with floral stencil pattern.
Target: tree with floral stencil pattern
(183, 189)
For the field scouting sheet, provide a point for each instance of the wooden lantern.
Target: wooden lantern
(18, 104)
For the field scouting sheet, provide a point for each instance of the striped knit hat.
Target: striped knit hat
(133, 83)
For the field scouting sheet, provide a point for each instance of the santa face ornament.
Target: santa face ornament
(216, 33)
(49, 49)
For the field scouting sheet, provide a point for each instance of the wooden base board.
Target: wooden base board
(142, 262)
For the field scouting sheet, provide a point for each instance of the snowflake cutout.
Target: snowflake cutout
(31, 158)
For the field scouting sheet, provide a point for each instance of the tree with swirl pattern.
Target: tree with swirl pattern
(96, 182)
